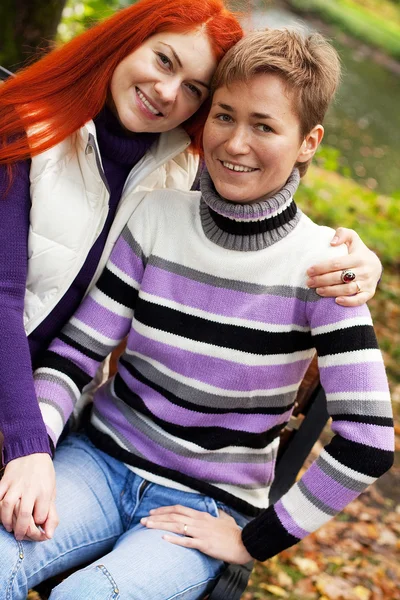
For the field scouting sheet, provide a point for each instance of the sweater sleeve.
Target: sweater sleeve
(353, 377)
(20, 419)
(101, 322)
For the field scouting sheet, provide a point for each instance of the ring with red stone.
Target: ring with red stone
(347, 276)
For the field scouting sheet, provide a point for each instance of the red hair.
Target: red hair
(57, 95)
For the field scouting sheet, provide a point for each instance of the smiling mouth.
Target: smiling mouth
(237, 168)
(154, 111)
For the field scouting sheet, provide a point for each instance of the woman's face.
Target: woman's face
(162, 83)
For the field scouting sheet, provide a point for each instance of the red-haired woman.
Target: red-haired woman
(82, 130)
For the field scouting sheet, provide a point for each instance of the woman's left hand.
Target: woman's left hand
(325, 277)
(218, 537)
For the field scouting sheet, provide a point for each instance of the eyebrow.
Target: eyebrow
(178, 60)
(256, 115)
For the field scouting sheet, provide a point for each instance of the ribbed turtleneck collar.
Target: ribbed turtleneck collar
(248, 227)
(116, 143)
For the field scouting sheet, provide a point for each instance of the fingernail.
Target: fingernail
(311, 271)
(335, 240)
(339, 300)
(310, 282)
(144, 520)
(320, 291)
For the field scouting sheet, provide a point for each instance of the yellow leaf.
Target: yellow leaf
(274, 589)
(306, 565)
(362, 592)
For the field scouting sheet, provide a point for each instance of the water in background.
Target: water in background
(364, 123)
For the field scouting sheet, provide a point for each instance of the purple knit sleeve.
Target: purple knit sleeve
(20, 418)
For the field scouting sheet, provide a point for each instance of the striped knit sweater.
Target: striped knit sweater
(221, 329)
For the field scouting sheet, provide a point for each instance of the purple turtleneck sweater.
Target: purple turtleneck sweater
(20, 419)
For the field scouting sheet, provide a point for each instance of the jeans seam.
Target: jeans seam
(106, 572)
(192, 587)
(15, 570)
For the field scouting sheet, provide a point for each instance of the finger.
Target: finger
(356, 300)
(41, 510)
(7, 509)
(341, 263)
(35, 533)
(24, 517)
(344, 236)
(344, 289)
(178, 527)
(52, 521)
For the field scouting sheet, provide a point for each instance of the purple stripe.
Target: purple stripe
(159, 406)
(376, 436)
(218, 372)
(231, 473)
(57, 393)
(51, 435)
(89, 365)
(328, 312)
(230, 303)
(288, 523)
(126, 260)
(360, 377)
(102, 319)
(326, 489)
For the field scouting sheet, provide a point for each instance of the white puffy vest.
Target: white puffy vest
(70, 204)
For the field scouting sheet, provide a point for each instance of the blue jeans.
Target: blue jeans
(100, 503)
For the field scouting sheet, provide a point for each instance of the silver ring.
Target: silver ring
(359, 290)
(185, 529)
(347, 276)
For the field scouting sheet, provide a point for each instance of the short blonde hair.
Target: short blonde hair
(308, 64)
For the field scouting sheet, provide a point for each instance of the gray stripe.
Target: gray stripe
(370, 408)
(53, 379)
(168, 444)
(53, 405)
(121, 439)
(316, 501)
(87, 341)
(207, 399)
(285, 291)
(340, 477)
(134, 245)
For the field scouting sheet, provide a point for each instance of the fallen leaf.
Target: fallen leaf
(307, 566)
(362, 592)
(275, 590)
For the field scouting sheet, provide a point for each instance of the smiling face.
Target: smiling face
(162, 83)
(252, 138)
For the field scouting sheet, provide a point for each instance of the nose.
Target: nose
(238, 141)
(167, 89)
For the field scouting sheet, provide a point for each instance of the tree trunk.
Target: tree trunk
(27, 29)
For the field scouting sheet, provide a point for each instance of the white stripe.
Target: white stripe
(218, 318)
(359, 396)
(303, 512)
(94, 333)
(110, 304)
(344, 324)
(356, 475)
(205, 387)
(58, 375)
(52, 418)
(351, 358)
(123, 276)
(236, 356)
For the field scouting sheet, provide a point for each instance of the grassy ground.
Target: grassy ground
(375, 22)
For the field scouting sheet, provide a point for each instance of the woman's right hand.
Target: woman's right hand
(27, 490)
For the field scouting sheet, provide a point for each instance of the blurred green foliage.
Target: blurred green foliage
(78, 15)
(375, 22)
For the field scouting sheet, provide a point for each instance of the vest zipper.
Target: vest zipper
(142, 488)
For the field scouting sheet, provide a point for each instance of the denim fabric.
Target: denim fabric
(100, 503)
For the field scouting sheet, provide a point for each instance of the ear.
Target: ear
(310, 144)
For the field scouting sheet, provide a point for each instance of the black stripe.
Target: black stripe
(359, 457)
(253, 227)
(357, 337)
(218, 334)
(105, 443)
(120, 291)
(82, 349)
(178, 401)
(366, 419)
(211, 438)
(52, 360)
